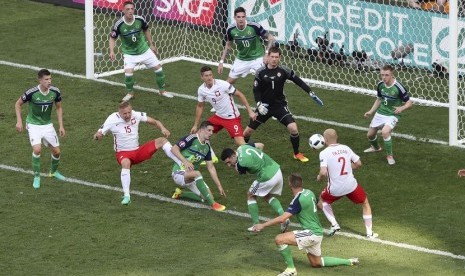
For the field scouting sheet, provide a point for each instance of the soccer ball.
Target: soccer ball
(316, 141)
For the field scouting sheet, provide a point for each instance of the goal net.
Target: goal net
(335, 44)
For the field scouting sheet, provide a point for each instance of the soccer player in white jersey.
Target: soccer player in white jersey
(336, 164)
(124, 125)
(220, 94)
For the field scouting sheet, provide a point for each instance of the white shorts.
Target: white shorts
(380, 121)
(273, 186)
(241, 68)
(45, 132)
(178, 177)
(149, 59)
(308, 242)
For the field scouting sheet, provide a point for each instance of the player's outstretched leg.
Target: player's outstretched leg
(252, 206)
(126, 183)
(203, 188)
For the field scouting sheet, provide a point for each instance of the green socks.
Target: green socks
(160, 78)
(253, 211)
(331, 261)
(374, 142)
(285, 251)
(388, 146)
(191, 195)
(276, 205)
(36, 164)
(55, 162)
(204, 190)
(129, 81)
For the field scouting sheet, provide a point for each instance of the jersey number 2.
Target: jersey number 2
(343, 160)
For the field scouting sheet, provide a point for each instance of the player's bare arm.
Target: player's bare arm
(244, 101)
(212, 170)
(375, 106)
(59, 111)
(277, 220)
(148, 36)
(158, 125)
(177, 152)
(227, 48)
(98, 135)
(408, 104)
(198, 115)
(19, 117)
(112, 44)
(356, 165)
(323, 174)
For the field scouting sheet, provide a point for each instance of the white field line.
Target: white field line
(185, 96)
(239, 214)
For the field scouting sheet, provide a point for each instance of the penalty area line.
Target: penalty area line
(189, 97)
(235, 213)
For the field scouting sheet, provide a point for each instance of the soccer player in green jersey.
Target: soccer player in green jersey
(304, 207)
(138, 47)
(250, 52)
(269, 182)
(191, 150)
(39, 122)
(392, 100)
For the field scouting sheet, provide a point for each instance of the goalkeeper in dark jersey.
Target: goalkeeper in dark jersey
(269, 95)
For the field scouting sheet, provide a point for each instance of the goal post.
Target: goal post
(332, 44)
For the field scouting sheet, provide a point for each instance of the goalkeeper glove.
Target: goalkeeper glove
(315, 98)
(262, 108)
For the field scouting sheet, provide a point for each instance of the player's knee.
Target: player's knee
(159, 142)
(279, 240)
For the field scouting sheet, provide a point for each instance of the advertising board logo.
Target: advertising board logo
(440, 40)
(199, 12)
(109, 4)
(268, 13)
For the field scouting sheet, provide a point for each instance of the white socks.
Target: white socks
(126, 180)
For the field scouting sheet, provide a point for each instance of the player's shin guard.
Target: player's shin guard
(200, 184)
(285, 251)
(388, 145)
(328, 211)
(368, 224)
(129, 81)
(331, 261)
(252, 206)
(276, 205)
(160, 78)
(374, 142)
(167, 149)
(36, 164)
(295, 141)
(55, 162)
(126, 180)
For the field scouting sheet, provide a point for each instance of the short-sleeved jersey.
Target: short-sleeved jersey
(391, 97)
(269, 84)
(126, 134)
(248, 42)
(304, 207)
(255, 161)
(133, 41)
(193, 150)
(40, 104)
(220, 96)
(338, 160)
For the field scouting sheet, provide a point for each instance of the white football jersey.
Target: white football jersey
(338, 160)
(220, 96)
(126, 134)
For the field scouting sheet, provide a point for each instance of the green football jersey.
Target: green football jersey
(248, 42)
(304, 207)
(133, 41)
(194, 151)
(40, 104)
(391, 97)
(256, 162)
